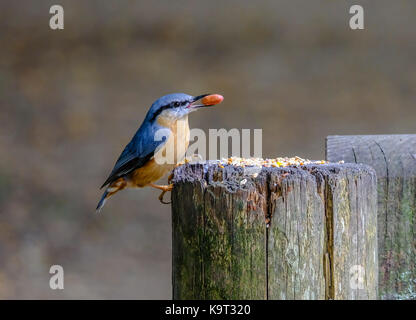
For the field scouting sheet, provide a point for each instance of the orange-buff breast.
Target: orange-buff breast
(153, 170)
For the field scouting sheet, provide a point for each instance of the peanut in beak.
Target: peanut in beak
(212, 99)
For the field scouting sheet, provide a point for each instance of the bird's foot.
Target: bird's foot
(164, 190)
(161, 198)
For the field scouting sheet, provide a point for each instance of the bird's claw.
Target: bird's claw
(164, 190)
(161, 198)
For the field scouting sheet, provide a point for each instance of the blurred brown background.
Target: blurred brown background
(70, 100)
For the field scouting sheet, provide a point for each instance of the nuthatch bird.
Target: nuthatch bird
(140, 165)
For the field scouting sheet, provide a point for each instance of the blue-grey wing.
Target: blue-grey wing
(138, 151)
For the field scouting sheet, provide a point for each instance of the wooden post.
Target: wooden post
(320, 242)
(394, 159)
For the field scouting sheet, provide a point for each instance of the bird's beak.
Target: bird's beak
(206, 100)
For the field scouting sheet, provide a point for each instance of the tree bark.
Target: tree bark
(306, 232)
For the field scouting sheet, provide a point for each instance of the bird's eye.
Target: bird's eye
(176, 104)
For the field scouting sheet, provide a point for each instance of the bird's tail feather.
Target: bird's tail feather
(102, 201)
(115, 187)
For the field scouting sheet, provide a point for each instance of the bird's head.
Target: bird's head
(177, 105)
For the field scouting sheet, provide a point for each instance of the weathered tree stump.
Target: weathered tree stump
(304, 232)
(394, 159)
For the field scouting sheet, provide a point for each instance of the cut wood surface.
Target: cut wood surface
(394, 159)
(305, 232)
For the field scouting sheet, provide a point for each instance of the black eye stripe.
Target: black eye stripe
(168, 106)
(179, 103)
(161, 109)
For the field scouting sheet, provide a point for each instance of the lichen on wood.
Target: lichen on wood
(272, 234)
(393, 157)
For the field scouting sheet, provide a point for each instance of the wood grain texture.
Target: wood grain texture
(219, 235)
(322, 222)
(354, 244)
(296, 236)
(394, 159)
